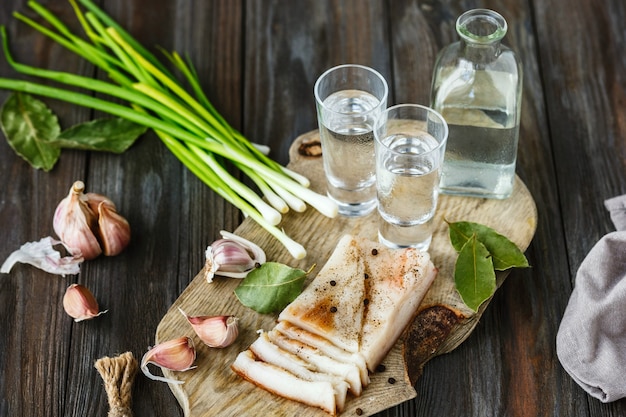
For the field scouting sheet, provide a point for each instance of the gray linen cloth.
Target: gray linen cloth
(591, 341)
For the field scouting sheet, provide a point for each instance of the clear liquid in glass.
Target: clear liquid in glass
(348, 147)
(407, 189)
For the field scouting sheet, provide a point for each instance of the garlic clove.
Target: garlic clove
(94, 201)
(176, 355)
(214, 331)
(74, 223)
(80, 303)
(114, 230)
(232, 256)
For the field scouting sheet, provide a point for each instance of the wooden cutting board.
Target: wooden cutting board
(443, 321)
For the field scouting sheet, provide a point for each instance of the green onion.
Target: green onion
(186, 122)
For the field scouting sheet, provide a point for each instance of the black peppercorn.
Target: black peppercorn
(333, 309)
(333, 283)
(374, 251)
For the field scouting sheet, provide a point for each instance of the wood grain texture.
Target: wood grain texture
(515, 218)
(258, 61)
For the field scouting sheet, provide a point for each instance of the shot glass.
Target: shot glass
(349, 99)
(410, 145)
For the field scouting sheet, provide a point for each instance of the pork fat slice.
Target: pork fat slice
(398, 284)
(347, 371)
(332, 305)
(326, 347)
(342, 325)
(268, 352)
(278, 381)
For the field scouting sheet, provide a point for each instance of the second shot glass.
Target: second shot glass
(410, 145)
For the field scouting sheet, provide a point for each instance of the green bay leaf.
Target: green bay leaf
(505, 253)
(29, 126)
(105, 135)
(271, 287)
(474, 275)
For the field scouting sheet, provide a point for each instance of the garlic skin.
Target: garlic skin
(232, 256)
(80, 303)
(175, 355)
(44, 255)
(89, 223)
(214, 331)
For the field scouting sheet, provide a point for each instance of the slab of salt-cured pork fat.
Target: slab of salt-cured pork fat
(344, 323)
(332, 304)
(398, 281)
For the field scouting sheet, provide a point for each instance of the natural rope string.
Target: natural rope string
(118, 374)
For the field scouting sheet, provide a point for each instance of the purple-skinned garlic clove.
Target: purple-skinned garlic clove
(175, 355)
(79, 303)
(214, 331)
(232, 256)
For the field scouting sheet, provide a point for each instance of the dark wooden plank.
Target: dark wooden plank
(288, 46)
(582, 60)
(585, 90)
(35, 329)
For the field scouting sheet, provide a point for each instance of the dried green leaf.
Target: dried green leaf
(29, 125)
(271, 287)
(474, 275)
(105, 135)
(505, 253)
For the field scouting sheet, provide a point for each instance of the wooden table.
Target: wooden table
(258, 61)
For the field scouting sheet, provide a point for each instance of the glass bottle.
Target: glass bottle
(477, 88)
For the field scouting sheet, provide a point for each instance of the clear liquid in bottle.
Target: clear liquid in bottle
(477, 89)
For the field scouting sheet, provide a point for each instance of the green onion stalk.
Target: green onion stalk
(189, 126)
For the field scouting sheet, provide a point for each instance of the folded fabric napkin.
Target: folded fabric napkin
(591, 340)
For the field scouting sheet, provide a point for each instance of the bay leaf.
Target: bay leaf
(29, 126)
(104, 135)
(474, 275)
(270, 287)
(505, 253)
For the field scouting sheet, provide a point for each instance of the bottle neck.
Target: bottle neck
(480, 52)
(481, 31)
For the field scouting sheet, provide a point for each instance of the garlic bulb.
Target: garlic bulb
(90, 224)
(176, 355)
(232, 256)
(80, 303)
(214, 331)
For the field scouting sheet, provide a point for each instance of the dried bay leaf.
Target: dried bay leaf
(270, 287)
(474, 274)
(29, 125)
(505, 253)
